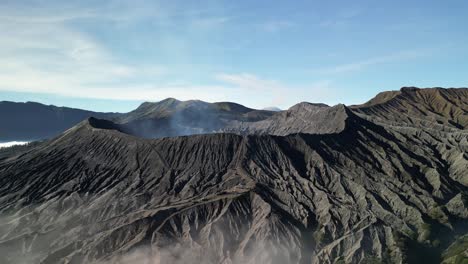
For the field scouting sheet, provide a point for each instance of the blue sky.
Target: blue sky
(112, 55)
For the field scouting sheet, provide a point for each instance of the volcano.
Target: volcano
(383, 182)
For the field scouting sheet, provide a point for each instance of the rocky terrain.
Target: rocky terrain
(438, 108)
(435, 107)
(304, 118)
(313, 184)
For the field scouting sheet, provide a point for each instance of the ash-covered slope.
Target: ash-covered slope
(34, 121)
(304, 117)
(432, 107)
(368, 193)
(171, 117)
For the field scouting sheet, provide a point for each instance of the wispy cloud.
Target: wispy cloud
(209, 22)
(50, 51)
(277, 25)
(249, 81)
(342, 18)
(365, 63)
(46, 53)
(45, 18)
(274, 92)
(53, 57)
(55, 53)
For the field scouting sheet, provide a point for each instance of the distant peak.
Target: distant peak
(339, 109)
(272, 108)
(170, 100)
(232, 107)
(308, 106)
(102, 124)
(85, 128)
(409, 89)
(166, 101)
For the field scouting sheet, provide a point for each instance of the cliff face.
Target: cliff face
(359, 192)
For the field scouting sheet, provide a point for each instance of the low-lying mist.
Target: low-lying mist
(12, 143)
(90, 229)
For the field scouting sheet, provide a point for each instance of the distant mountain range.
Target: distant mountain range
(382, 182)
(33, 121)
(272, 108)
(171, 117)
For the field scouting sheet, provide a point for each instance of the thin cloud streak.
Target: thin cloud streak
(49, 52)
(277, 92)
(277, 25)
(342, 19)
(363, 64)
(71, 63)
(46, 52)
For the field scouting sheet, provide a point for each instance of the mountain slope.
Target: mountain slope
(301, 118)
(432, 107)
(365, 193)
(171, 117)
(34, 121)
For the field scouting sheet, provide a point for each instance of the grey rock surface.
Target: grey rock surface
(334, 188)
(438, 108)
(301, 118)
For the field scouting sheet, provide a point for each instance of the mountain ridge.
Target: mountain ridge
(34, 121)
(365, 192)
(420, 107)
(170, 117)
(301, 118)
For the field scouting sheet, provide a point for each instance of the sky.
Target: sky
(113, 55)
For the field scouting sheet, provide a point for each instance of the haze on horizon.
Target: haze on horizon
(112, 55)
